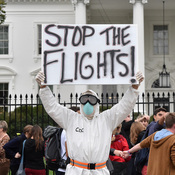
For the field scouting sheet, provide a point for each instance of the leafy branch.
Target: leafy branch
(2, 11)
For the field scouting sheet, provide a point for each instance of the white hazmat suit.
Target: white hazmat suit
(88, 141)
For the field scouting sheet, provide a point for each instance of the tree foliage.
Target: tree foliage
(25, 115)
(2, 11)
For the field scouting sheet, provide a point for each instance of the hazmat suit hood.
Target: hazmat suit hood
(95, 107)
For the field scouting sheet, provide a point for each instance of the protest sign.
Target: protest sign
(89, 54)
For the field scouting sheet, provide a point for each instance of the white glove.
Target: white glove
(139, 77)
(40, 77)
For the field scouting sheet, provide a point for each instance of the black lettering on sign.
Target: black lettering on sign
(76, 32)
(124, 36)
(132, 64)
(86, 67)
(63, 70)
(103, 64)
(85, 31)
(122, 63)
(53, 34)
(118, 35)
(105, 59)
(50, 62)
(106, 31)
(76, 65)
(112, 56)
(66, 28)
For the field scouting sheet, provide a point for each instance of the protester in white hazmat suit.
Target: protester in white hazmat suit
(88, 133)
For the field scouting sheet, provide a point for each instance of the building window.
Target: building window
(4, 40)
(39, 39)
(160, 38)
(3, 96)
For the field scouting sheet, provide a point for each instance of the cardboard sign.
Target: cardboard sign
(89, 54)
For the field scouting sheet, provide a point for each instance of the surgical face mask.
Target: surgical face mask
(88, 109)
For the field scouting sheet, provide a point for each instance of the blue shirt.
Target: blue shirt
(154, 126)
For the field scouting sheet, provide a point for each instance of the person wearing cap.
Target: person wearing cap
(88, 133)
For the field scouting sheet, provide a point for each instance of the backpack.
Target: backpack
(54, 160)
(141, 157)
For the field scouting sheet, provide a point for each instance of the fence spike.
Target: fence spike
(168, 95)
(153, 95)
(158, 94)
(173, 94)
(76, 95)
(163, 94)
(148, 94)
(117, 95)
(71, 95)
(59, 98)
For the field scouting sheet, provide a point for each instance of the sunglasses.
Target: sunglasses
(89, 98)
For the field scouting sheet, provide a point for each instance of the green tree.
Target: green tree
(2, 11)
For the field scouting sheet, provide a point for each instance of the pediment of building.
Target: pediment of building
(7, 71)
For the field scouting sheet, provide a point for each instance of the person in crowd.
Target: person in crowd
(137, 131)
(4, 138)
(156, 125)
(34, 152)
(88, 133)
(159, 120)
(144, 119)
(118, 142)
(125, 130)
(113, 152)
(162, 149)
(13, 147)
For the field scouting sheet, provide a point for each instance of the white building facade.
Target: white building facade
(20, 40)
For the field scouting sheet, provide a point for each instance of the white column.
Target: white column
(80, 10)
(138, 18)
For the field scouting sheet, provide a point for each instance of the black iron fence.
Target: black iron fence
(19, 111)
